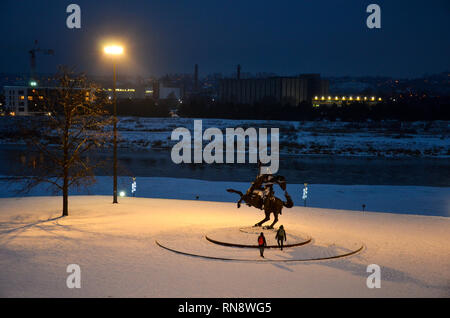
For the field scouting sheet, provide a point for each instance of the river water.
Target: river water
(14, 160)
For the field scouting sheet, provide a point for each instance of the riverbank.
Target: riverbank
(368, 139)
(391, 199)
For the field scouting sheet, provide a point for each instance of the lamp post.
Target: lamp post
(305, 193)
(114, 50)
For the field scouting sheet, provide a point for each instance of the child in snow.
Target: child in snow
(281, 236)
(261, 243)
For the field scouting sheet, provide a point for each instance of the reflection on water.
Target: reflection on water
(298, 169)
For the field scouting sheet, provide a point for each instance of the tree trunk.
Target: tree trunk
(66, 168)
(65, 198)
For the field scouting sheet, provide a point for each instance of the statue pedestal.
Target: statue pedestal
(247, 237)
(240, 244)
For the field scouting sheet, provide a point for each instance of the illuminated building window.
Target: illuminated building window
(30, 97)
(22, 97)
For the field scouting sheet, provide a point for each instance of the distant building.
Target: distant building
(30, 100)
(23, 100)
(124, 93)
(160, 91)
(286, 90)
(339, 100)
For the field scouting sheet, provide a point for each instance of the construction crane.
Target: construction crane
(32, 53)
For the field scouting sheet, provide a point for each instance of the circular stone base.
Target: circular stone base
(248, 238)
(193, 243)
(265, 260)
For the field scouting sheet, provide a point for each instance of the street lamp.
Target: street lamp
(305, 193)
(114, 50)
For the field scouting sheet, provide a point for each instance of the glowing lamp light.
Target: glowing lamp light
(122, 193)
(113, 49)
(33, 83)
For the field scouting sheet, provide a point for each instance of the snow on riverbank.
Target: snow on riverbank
(382, 139)
(390, 139)
(395, 199)
(115, 248)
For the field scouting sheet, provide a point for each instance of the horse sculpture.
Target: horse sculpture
(261, 196)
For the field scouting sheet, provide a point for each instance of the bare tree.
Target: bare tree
(72, 124)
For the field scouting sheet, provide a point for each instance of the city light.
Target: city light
(113, 49)
(120, 89)
(122, 193)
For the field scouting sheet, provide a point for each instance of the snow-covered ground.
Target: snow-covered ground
(383, 139)
(394, 199)
(337, 138)
(114, 245)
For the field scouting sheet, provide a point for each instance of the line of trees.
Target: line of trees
(144, 107)
(405, 109)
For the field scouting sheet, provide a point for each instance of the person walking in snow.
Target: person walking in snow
(261, 243)
(281, 236)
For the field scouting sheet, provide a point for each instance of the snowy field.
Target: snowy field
(393, 199)
(313, 138)
(114, 245)
(380, 139)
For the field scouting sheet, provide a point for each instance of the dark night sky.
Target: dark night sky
(285, 37)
